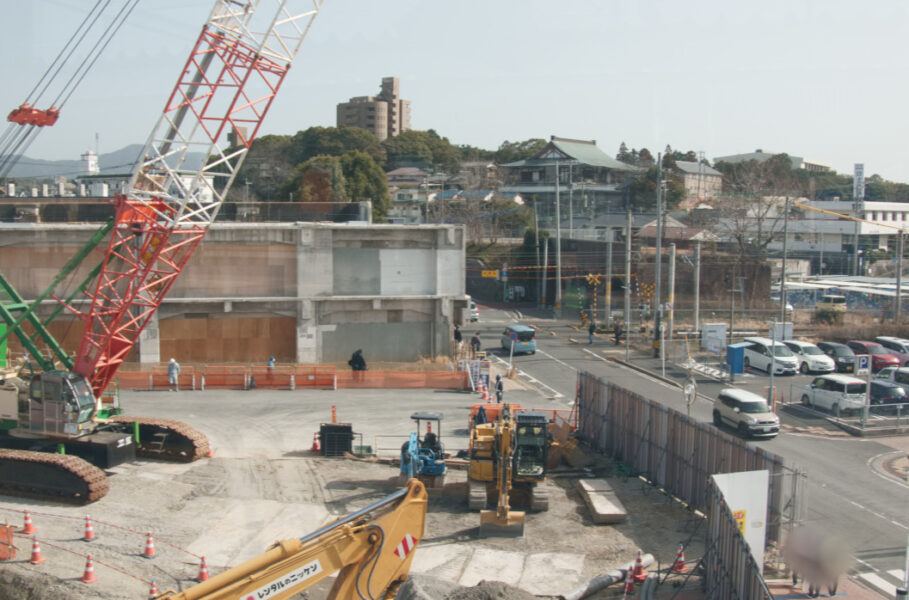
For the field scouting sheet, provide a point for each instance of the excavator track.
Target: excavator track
(51, 476)
(167, 439)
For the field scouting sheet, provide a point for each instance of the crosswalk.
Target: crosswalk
(885, 582)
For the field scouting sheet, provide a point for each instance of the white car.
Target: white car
(836, 393)
(811, 358)
(757, 355)
(746, 411)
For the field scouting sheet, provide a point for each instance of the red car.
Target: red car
(880, 356)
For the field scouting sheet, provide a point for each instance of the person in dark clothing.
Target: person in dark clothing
(480, 417)
(592, 329)
(617, 331)
(500, 389)
(475, 344)
(357, 363)
(457, 339)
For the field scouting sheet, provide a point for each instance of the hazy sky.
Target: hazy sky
(825, 79)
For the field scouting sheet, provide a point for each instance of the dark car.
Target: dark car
(880, 356)
(887, 392)
(842, 356)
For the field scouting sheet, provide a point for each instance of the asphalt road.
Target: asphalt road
(843, 491)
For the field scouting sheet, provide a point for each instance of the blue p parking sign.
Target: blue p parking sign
(863, 363)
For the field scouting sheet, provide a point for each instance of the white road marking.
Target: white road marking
(644, 375)
(879, 515)
(551, 357)
(879, 583)
(881, 475)
(552, 393)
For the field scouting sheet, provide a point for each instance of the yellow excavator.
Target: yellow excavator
(371, 550)
(507, 456)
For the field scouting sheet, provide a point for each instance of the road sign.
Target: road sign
(513, 336)
(862, 364)
(690, 390)
(490, 274)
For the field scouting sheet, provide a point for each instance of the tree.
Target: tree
(365, 181)
(269, 163)
(752, 209)
(408, 148)
(319, 179)
(336, 141)
(625, 155)
(512, 151)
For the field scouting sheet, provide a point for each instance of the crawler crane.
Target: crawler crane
(228, 83)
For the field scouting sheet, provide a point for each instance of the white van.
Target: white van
(757, 354)
(472, 311)
(836, 393)
(746, 411)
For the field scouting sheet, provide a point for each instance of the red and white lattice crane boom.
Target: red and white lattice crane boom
(228, 84)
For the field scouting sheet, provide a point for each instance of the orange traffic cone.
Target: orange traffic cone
(89, 575)
(149, 546)
(36, 558)
(484, 391)
(203, 571)
(152, 591)
(639, 575)
(28, 528)
(315, 443)
(628, 587)
(334, 414)
(679, 565)
(89, 532)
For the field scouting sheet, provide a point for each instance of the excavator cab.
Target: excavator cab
(531, 445)
(424, 458)
(57, 403)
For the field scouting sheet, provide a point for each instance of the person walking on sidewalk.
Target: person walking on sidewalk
(173, 373)
(591, 329)
(500, 389)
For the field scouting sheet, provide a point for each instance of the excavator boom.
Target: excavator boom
(371, 550)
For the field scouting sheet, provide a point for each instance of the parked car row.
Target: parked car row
(789, 356)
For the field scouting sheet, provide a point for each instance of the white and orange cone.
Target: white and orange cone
(628, 586)
(679, 565)
(28, 528)
(152, 591)
(149, 546)
(315, 443)
(36, 558)
(89, 575)
(89, 530)
(203, 571)
(639, 575)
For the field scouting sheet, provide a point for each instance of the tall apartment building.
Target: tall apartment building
(386, 115)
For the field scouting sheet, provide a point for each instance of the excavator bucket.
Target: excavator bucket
(494, 525)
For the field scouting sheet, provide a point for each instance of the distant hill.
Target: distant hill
(119, 161)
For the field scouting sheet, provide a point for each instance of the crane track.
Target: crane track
(167, 439)
(51, 476)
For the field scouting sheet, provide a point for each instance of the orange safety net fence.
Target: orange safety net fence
(291, 377)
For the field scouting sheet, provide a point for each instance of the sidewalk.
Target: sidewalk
(847, 588)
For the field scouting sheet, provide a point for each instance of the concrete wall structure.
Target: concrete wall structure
(302, 292)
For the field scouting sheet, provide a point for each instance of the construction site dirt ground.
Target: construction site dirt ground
(264, 484)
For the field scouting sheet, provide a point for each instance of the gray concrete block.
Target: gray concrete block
(605, 507)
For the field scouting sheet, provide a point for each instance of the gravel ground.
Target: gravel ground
(264, 484)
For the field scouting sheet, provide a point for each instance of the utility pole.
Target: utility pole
(697, 287)
(671, 301)
(570, 201)
(858, 199)
(558, 287)
(783, 270)
(732, 302)
(658, 298)
(898, 312)
(608, 274)
(545, 275)
(627, 276)
(536, 243)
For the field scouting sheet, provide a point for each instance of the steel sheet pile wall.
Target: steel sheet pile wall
(734, 574)
(675, 452)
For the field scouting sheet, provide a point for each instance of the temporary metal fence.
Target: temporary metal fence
(732, 572)
(675, 452)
